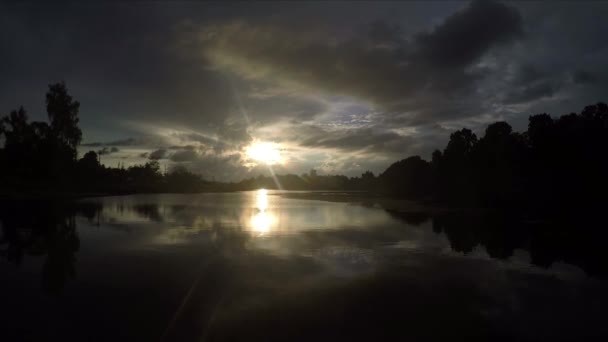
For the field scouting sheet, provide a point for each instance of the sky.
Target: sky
(339, 87)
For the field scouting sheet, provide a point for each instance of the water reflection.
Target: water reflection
(44, 229)
(313, 229)
(262, 221)
(140, 255)
(262, 199)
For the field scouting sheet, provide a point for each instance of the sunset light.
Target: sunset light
(309, 170)
(262, 221)
(264, 152)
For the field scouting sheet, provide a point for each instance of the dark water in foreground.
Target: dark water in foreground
(251, 266)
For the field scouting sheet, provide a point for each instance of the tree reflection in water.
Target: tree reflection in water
(49, 229)
(575, 238)
(44, 229)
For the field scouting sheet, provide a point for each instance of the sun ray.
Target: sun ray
(264, 152)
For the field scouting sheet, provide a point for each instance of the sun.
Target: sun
(264, 152)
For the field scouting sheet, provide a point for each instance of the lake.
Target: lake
(262, 266)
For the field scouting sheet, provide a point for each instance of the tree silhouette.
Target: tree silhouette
(63, 116)
(455, 171)
(497, 160)
(555, 163)
(410, 177)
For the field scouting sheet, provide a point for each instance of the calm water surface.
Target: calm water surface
(259, 266)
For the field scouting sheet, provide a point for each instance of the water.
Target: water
(260, 266)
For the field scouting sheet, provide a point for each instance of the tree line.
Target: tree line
(42, 158)
(557, 160)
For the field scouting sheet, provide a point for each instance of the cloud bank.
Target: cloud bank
(341, 87)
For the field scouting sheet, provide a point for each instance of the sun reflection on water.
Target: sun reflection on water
(262, 221)
(262, 199)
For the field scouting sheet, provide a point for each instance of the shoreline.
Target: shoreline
(400, 205)
(357, 197)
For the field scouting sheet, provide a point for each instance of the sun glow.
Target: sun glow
(264, 152)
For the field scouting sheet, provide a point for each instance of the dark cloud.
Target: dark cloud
(106, 151)
(535, 91)
(394, 74)
(157, 154)
(194, 137)
(214, 167)
(467, 35)
(184, 156)
(200, 81)
(120, 142)
(226, 137)
(269, 109)
(187, 147)
(382, 32)
(372, 143)
(122, 61)
(93, 144)
(527, 74)
(234, 133)
(360, 139)
(584, 77)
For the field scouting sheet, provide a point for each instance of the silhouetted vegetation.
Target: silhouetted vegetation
(41, 158)
(306, 181)
(556, 161)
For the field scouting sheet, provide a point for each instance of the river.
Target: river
(262, 266)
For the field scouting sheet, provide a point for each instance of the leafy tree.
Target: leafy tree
(410, 177)
(20, 143)
(368, 176)
(15, 127)
(540, 131)
(436, 158)
(63, 116)
(90, 161)
(497, 162)
(455, 173)
(460, 145)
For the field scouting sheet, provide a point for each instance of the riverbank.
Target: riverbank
(45, 196)
(54, 195)
(382, 202)
(431, 207)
